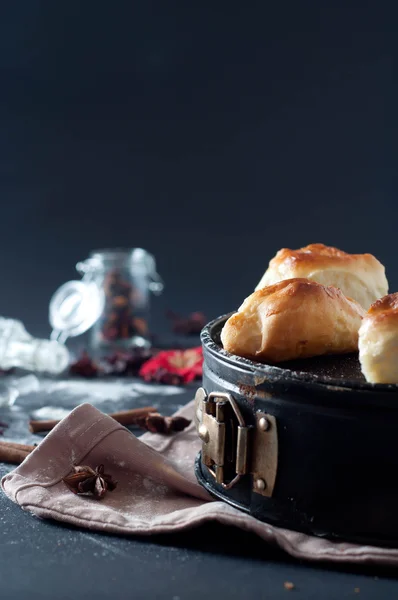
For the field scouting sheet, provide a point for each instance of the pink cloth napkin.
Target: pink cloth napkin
(157, 491)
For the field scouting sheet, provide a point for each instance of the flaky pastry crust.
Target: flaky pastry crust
(359, 276)
(378, 341)
(295, 318)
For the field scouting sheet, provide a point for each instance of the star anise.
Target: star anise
(85, 480)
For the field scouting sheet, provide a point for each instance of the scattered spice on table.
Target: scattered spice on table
(288, 585)
(3, 427)
(127, 362)
(84, 366)
(146, 418)
(190, 325)
(182, 365)
(132, 416)
(164, 376)
(170, 367)
(88, 481)
(120, 363)
(157, 423)
(125, 417)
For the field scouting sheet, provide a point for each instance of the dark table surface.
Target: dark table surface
(44, 559)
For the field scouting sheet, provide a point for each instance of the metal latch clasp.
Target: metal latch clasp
(224, 443)
(231, 449)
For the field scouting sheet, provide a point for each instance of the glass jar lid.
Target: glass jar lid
(74, 308)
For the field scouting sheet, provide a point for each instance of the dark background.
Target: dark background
(210, 133)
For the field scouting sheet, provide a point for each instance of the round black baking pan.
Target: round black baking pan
(337, 465)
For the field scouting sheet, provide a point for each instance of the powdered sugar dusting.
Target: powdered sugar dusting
(156, 489)
(103, 390)
(50, 412)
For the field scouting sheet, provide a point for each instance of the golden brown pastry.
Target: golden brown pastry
(359, 276)
(295, 318)
(378, 341)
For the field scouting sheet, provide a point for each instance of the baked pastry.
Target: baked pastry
(378, 341)
(359, 276)
(295, 318)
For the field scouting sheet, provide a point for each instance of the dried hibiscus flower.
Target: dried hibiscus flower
(177, 366)
(84, 366)
(120, 363)
(127, 362)
(191, 325)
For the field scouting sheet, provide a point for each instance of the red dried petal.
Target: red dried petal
(186, 364)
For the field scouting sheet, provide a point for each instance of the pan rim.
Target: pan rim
(276, 373)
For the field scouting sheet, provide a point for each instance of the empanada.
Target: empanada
(359, 276)
(295, 318)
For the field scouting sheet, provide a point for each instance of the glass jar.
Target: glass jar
(112, 299)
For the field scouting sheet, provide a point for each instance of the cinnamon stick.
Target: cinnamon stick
(37, 426)
(14, 453)
(124, 417)
(24, 447)
(129, 417)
